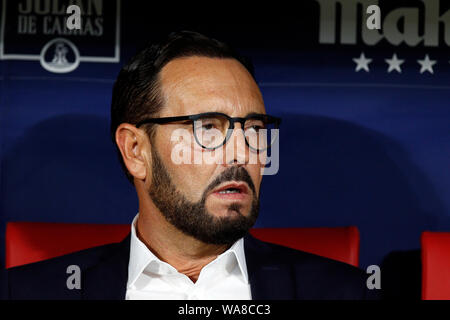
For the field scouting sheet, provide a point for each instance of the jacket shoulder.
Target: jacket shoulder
(315, 277)
(47, 279)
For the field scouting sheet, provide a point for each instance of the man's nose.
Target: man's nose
(236, 150)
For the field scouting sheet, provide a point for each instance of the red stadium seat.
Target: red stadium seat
(28, 242)
(338, 243)
(435, 265)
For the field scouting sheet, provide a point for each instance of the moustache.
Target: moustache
(232, 174)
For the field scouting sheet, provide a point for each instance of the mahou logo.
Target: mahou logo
(400, 25)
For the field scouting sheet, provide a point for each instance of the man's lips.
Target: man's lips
(232, 191)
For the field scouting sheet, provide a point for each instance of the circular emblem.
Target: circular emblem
(60, 56)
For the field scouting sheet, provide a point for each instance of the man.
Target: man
(195, 98)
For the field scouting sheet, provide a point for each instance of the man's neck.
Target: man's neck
(185, 253)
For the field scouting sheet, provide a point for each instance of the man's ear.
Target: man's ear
(134, 145)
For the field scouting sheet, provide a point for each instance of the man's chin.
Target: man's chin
(224, 237)
(227, 213)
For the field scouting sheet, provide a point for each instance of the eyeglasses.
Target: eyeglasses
(213, 129)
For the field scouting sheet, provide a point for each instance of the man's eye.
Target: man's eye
(255, 128)
(207, 126)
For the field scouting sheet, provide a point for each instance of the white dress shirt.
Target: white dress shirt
(150, 278)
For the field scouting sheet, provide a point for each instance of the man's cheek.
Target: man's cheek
(190, 183)
(256, 177)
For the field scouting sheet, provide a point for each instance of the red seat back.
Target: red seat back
(28, 242)
(338, 243)
(435, 265)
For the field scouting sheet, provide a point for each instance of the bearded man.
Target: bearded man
(198, 97)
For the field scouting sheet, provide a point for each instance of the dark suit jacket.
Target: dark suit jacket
(275, 272)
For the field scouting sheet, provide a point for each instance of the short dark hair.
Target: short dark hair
(136, 93)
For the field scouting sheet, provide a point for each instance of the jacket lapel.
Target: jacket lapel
(108, 279)
(268, 279)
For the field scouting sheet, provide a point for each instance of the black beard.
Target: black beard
(192, 218)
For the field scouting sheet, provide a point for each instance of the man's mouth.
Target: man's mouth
(232, 191)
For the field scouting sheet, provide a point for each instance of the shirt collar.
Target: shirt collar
(238, 249)
(141, 256)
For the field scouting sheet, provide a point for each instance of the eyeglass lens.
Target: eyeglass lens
(212, 131)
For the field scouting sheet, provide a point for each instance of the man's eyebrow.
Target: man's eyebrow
(253, 114)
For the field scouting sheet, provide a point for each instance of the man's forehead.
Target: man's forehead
(223, 83)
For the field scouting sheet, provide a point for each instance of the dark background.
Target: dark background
(370, 149)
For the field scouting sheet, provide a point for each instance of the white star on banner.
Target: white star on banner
(426, 64)
(394, 63)
(362, 63)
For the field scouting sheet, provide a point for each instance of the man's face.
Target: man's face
(191, 196)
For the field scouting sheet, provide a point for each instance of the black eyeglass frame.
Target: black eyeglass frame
(194, 117)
